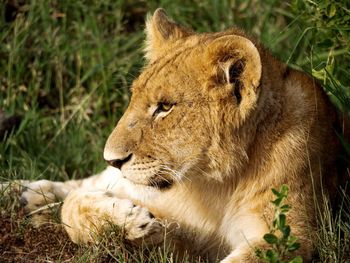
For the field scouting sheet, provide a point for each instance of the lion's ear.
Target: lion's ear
(160, 31)
(237, 60)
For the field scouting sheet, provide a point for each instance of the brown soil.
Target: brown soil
(21, 242)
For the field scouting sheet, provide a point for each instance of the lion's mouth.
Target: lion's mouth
(160, 182)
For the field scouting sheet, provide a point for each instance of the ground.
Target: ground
(21, 242)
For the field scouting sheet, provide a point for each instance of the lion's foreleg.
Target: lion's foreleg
(44, 192)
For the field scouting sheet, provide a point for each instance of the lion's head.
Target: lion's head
(189, 107)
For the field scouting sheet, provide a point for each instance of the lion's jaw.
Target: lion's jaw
(188, 108)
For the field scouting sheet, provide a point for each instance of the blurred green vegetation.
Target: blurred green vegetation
(66, 66)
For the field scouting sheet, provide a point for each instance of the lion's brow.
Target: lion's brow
(200, 102)
(162, 62)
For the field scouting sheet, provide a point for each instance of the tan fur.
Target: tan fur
(222, 145)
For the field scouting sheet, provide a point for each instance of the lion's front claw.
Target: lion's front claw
(141, 226)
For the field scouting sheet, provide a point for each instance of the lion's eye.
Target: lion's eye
(163, 107)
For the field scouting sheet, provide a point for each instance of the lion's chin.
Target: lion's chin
(160, 183)
(157, 181)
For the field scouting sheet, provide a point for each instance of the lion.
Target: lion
(214, 122)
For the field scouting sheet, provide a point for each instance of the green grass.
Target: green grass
(65, 67)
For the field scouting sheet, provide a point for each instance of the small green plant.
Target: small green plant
(282, 242)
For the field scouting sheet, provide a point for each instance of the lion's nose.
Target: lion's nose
(118, 163)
